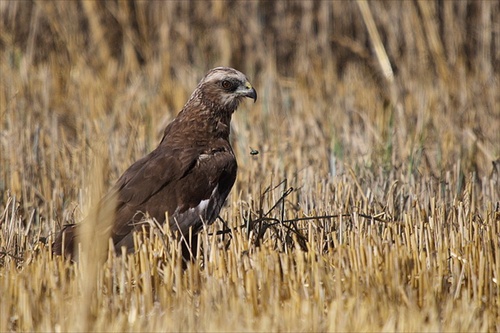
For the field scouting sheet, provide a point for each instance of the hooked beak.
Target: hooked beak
(248, 91)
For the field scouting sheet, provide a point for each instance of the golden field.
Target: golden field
(373, 203)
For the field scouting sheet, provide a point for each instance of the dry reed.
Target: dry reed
(364, 201)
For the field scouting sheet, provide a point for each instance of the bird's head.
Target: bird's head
(211, 105)
(223, 88)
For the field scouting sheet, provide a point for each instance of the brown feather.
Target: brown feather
(188, 175)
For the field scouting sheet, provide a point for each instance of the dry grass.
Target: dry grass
(374, 201)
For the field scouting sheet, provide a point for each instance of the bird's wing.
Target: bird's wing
(188, 183)
(151, 173)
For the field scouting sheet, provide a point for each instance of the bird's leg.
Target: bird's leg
(189, 248)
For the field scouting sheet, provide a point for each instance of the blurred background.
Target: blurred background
(384, 88)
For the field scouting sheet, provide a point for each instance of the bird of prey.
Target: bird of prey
(188, 176)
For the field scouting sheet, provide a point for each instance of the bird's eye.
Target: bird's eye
(226, 84)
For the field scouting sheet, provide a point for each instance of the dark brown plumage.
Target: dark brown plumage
(189, 174)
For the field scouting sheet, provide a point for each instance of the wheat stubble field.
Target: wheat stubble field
(368, 194)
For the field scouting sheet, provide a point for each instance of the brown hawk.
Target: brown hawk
(189, 175)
